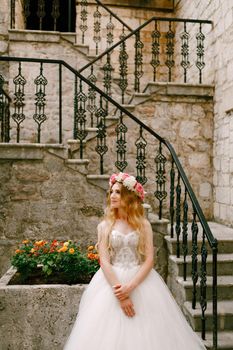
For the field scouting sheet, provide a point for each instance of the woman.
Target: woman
(127, 306)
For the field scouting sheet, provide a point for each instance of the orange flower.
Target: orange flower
(91, 247)
(91, 256)
(40, 243)
(18, 251)
(71, 250)
(62, 249)
(25, 241)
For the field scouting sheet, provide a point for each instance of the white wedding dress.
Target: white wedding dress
(158, 323)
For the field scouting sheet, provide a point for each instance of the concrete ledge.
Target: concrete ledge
(28, 150)
(34, 35)
(180, 89)
(37, 316)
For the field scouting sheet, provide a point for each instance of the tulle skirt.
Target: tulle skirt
(158, 323)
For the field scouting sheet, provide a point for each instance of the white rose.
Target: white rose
(130, 182)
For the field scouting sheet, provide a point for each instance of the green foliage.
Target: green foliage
(66, 259)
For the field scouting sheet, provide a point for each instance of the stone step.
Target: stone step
(80, 165)
(225, 341)
(222, 233)
(225, 288)
(225, 315)
(225, 264)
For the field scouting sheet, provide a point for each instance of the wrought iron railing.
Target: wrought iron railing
(89, 103)
(5, 101)
(161, 49)
(95, 20)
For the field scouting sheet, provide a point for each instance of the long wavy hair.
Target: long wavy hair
(133, 208)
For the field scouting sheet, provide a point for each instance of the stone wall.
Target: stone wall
(43, 198)
(219, 50)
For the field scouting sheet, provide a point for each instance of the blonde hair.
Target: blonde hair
(133, 208)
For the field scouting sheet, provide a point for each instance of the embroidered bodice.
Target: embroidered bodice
(124, 249)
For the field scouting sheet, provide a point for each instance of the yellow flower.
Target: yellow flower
(32, 250)
(91, 247)
(66, 244)
(71, 250)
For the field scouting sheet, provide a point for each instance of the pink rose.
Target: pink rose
(139, 189)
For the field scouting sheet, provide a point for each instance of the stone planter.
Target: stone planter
(36, 317)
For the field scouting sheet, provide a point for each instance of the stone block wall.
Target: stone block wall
(43, 198)
(219, 51)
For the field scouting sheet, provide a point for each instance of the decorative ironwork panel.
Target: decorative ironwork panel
(185, 51)
(141, 158)
(91, 105)
(185, 234)
(83, 17)
(80, 131)
(170, 35)
(155, 50)
(194, 229)
(108, 75)
(200, 64)
(55, 13)
(41, 12)
(203, 280)
(123, 60)
(97, 28)
(138, 72)
(121, 131)
(101, 147)
(110, 27)
(172, 196)
(39, 115)
(160, 193)
(178, 205)
(19, 95)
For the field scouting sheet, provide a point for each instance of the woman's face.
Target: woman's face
(115, 196)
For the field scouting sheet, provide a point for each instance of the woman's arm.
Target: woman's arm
(124, 291)
(126, 304)
(104, 255)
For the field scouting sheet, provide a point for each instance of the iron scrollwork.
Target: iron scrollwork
(200, 64)
(19, 95)
(170, 35)
(101, 147)
(121, 131)
(185, 64)
(40, 103)
(160, 192)
(123, 58)
(80, 131)
(141, 158)
(194, 229)
(155, 50)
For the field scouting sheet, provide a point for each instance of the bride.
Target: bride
(127, 305)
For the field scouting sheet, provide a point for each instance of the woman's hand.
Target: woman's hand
(128, 307)
(122, 292)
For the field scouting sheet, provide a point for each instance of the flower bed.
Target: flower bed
(49, 262)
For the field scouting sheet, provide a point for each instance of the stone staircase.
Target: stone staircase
(182, 291)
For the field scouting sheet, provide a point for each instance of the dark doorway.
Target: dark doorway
(40, 15)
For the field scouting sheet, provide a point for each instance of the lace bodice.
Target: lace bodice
(124, 249)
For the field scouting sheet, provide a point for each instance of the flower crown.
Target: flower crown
(129, 182)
